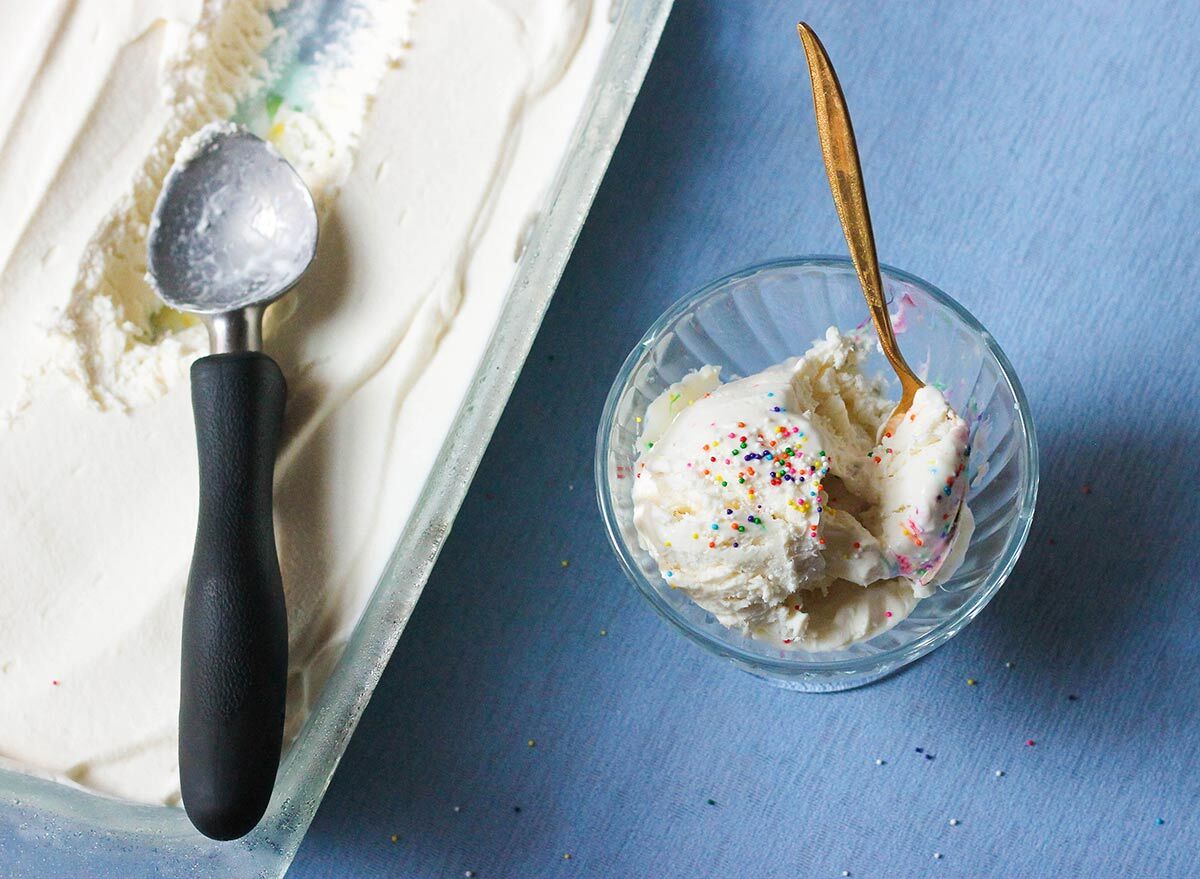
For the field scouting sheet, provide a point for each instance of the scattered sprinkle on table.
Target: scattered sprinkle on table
(879, 761)
(971, 682)
(953, 822)
(531, 743)
(603, 632)
(457, 809)
(1159, 821)
(845, 872)
(712, 802)
(468, 873)
(1087, 489)
(1029, 743)
(999, 773)
(937, 856)
(566, 563)
(395, 838)
(1008, 665)
(566, 856)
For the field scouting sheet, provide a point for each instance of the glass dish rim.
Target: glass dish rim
(802, 664)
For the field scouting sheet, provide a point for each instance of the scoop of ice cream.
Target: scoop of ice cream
(728, 498)
(769, 501)
(905, 486)
(921, 483)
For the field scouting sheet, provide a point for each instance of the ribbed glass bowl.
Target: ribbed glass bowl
(765, 314)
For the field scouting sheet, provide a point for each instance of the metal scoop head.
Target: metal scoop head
(234, 226)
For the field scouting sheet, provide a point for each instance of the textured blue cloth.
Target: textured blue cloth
(1038, 161)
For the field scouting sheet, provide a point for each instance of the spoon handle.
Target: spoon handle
(849, 195)
(234, 661)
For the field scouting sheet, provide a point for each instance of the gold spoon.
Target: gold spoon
(850, 197)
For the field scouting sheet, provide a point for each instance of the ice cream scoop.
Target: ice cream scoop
(234, 228)
(840, 152)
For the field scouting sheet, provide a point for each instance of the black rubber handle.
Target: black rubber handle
(234, 663)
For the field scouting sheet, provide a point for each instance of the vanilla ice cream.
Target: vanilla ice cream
(775, 504)
(429, 134)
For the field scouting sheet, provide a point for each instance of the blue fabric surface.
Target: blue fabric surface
(1039, 162)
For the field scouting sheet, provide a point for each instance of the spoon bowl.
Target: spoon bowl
(234, 227)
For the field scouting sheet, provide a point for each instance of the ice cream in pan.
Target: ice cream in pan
(429, 135)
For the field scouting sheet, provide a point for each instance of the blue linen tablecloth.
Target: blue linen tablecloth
(1038, 161)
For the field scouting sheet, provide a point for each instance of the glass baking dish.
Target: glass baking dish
(49, 829)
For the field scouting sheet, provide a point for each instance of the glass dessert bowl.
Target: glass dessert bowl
(760, 316)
